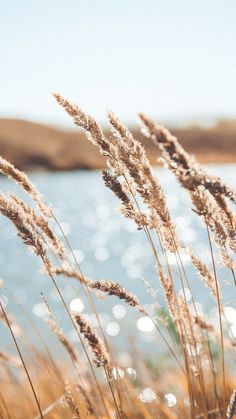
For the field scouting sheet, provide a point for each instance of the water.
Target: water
(107, 247)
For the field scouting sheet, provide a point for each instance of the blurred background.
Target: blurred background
(174, 61)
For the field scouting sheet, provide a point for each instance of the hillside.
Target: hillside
(35, 146)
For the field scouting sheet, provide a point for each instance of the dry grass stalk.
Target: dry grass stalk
(210, 214)
(226, 260)
(24, 230)
(185, 323)
(70, 273)
(71, 402)
(7, 169)
(52, 322)
(40, 223)
(229, 220)
(22, 360)
(131, 176)
(212, 217)
(209, 328)
(86, 122)
(101, 356)
(109, 287)
(22, 218)
(182, 164)
(89, 407)
(213, 332)
(217, 214)
(114, 289)
(128, 207)
(204, 273)
(170, 296)
(231, 410)
(131, 179)
(204, 325)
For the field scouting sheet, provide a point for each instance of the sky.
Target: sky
(174, 60)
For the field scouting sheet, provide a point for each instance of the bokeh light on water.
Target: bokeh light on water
(106, 246)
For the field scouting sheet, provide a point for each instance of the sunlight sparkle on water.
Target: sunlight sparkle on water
(170, 399)
(3, 300)
(113, 329)
(194, 350)
(147, 395)
(230, 314)
(131, 372)
(20, 296)
(134, 271)
(145, 324)
(54, 295)
(40, 310)
(77, 305)
(103, 212)
(117, 373)
(196, 307)
(101, 254)
(185, 293)
(65, 227)
(79, 255)
(119, 311)
(124, 359)
(232, 331)
(172, 260)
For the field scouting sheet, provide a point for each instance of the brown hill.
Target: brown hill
(35, 146)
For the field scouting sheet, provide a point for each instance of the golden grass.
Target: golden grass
(92, 384)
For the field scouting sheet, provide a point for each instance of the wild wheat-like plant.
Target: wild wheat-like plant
(130, 177)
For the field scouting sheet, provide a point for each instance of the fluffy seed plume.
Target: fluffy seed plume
(131, 177)
(24, 229)
(169, 292)
(128, 208)
(7, 169)
(185, 324)
(70, 273)
(115, 289)
(217, 215)
(85, 122)
(40, 223)
(133, 155)
(180, 161)
(209, 328)
(109, 287)
(71, 402)
(204, 273)
(101, 356)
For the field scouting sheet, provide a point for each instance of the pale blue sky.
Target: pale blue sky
(171, 59)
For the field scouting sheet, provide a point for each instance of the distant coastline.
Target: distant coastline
(33, 146)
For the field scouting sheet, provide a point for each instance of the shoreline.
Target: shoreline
(37, 147)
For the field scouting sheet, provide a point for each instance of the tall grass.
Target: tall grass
(204, 385)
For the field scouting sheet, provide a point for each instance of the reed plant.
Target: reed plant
(205, 386)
